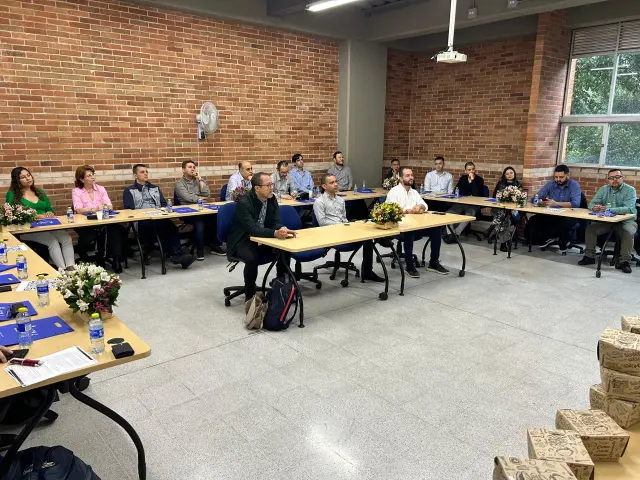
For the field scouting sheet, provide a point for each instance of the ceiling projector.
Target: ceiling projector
(451, 57)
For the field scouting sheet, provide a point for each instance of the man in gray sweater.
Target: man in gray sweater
(188, 190)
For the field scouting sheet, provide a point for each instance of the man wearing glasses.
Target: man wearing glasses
(620, 199)
(256, 215)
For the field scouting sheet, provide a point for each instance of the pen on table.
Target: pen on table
(25, 362)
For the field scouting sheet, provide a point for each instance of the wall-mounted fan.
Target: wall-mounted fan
(207, 120)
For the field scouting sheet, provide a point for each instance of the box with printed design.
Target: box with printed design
(512, 468)
(623, 412)
(619, 351)
(561, 446)
(631, 324)
(620, 385)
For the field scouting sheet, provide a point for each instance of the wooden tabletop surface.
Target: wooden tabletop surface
(113, 327)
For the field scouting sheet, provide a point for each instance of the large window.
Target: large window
(601, 120)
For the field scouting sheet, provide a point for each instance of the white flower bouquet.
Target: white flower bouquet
(89, 288)
(389, 183)
(11, 214)
(512, 194)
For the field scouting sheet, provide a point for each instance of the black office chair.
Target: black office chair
(573, 233)
(615, 252)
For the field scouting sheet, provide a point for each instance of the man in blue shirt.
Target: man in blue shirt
(240, 179)
(562, 192)
(620, 199)
(300, 177)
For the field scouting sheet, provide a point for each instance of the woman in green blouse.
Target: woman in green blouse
(23, 190)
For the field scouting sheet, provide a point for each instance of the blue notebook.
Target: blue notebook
(5, 310)
(184, 210)
(365, 190)
(4, 268)
(308, 200)
(212, 207)
(8, 279)
(492, 200)
(45, 222)
(43, 328)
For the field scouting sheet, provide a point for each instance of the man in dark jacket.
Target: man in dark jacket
(143, 194)
(257, 215)
(470, 184)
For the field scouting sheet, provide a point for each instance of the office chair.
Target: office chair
(336, 264)
(573, 233)
(223, 192)
(290, 218)
(225, 216)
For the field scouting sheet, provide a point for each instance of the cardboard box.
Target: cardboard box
(620, 351)
(623, 412)
(602, 437)
(620, 385)
(631, 324)
(511, 468)
(561, 446)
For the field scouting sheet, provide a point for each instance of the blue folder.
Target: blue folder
(365, 190)
(212, 207)
(4, 268)
(309, 200)
(5, 310)
(448, 196)
(45, 222)
(492, 200)
(8, 279)
(43, 328)
(184, 210)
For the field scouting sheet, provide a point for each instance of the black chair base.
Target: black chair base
(400, 256)
(336, 265)
(233, 292)
(311, 277)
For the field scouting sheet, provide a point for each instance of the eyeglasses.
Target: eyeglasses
(268, 185)
(614, 177)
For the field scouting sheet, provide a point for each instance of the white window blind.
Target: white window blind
(606, 39)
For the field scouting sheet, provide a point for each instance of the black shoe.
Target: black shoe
(373, 277)
(116, 265)
(176, 259)
(436, 267)
(587, 261)
(563, 247)
(218, 250)
(386, 242)
(624, 266)
(503, 247)
(187, 260)
(412, 272)
(450, 239)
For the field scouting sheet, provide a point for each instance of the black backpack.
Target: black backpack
(282, 297)
(49, 463)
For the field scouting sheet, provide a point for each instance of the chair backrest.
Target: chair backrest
(485, 191)
(583, 201)
(225, 216)
(223, 192)
(314, 220)
(290, 218)
(176, 200)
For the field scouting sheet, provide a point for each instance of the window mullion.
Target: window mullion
(614, 76)
(605, 144)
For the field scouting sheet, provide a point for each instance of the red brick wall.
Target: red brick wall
(400, 68)
(112, 84)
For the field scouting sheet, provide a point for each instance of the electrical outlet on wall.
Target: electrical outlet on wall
(512, 3)
(472, 13)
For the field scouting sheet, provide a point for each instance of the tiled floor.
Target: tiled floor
(431, 385)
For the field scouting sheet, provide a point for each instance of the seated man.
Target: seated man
(257, 215)
(242, 178)
(394, 170)
(189, 189)
(563, 192)
(413, 204)
(620, 198)
(470, 184)
(143, 194)
(282, 185)
(343, 174)
(438, 181)
(301, 178)
(330, 209)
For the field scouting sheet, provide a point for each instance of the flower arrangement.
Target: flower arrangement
(16, 215)
(238, 192)
(512, 194)
(89, 288)
(389, 183)
(386, 214)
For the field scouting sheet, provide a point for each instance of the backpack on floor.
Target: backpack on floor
(48, 463)
(282, 297)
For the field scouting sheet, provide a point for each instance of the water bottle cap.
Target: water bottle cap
(21, 254)
(22, 309)
(41, 276)
(95, 315)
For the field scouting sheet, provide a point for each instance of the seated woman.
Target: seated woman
(23, 190)
(501, 224)
(89, 197)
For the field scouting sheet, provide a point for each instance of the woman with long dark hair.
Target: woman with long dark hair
(501, 224)
(24, 191)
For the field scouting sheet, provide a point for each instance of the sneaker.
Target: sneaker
(218, 250)
(413, 273)
(587, 261)
(200, 257)
(563, 247)
(503, 247)
(450, 239)
(436, 267)
(187, 260)
(386, 242)
(549, 242)
(624, 266)
(373, 277)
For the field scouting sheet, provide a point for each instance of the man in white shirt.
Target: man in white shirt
(242, 178)
(413, 204)
(438, 181)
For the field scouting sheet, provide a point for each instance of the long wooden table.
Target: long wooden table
(356, 232)
(113, 328)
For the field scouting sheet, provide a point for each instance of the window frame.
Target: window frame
(604, 120)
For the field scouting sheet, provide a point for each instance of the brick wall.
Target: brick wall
(400, 68)
(111, 84)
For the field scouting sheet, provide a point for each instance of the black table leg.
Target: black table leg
(495, 242)
(26, 431)
(162, 259)
(384, 295)
(464, 257)
(90, 402)
(604, 248)
(397, 258)
(526, 221)
(137, 235)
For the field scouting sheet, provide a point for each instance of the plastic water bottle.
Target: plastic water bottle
(535, 200)
(200, 203)
(23, 322)
(311, 193)
(607, 210)
(105, 212)
(169, 206)
(364, 185)
(21, 262)
(42, 287)
(422, 189)
(70, 218)
(279, 196)
(3, 252)
(355, 188)
(457, 192)
(96, 334)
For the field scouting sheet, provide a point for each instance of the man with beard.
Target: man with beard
(561, 192)
(413, 204)
(356, 209)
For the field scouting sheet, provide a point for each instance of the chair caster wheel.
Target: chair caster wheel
(83, 383)
(332, 277)
(318, 285)
(383, 296)
(564, 254)
(461, 273)
(357, 275)
(393, 266)
(227, 303)
(598, 273)
(344, 283)
(542, 249)
(377, 260)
